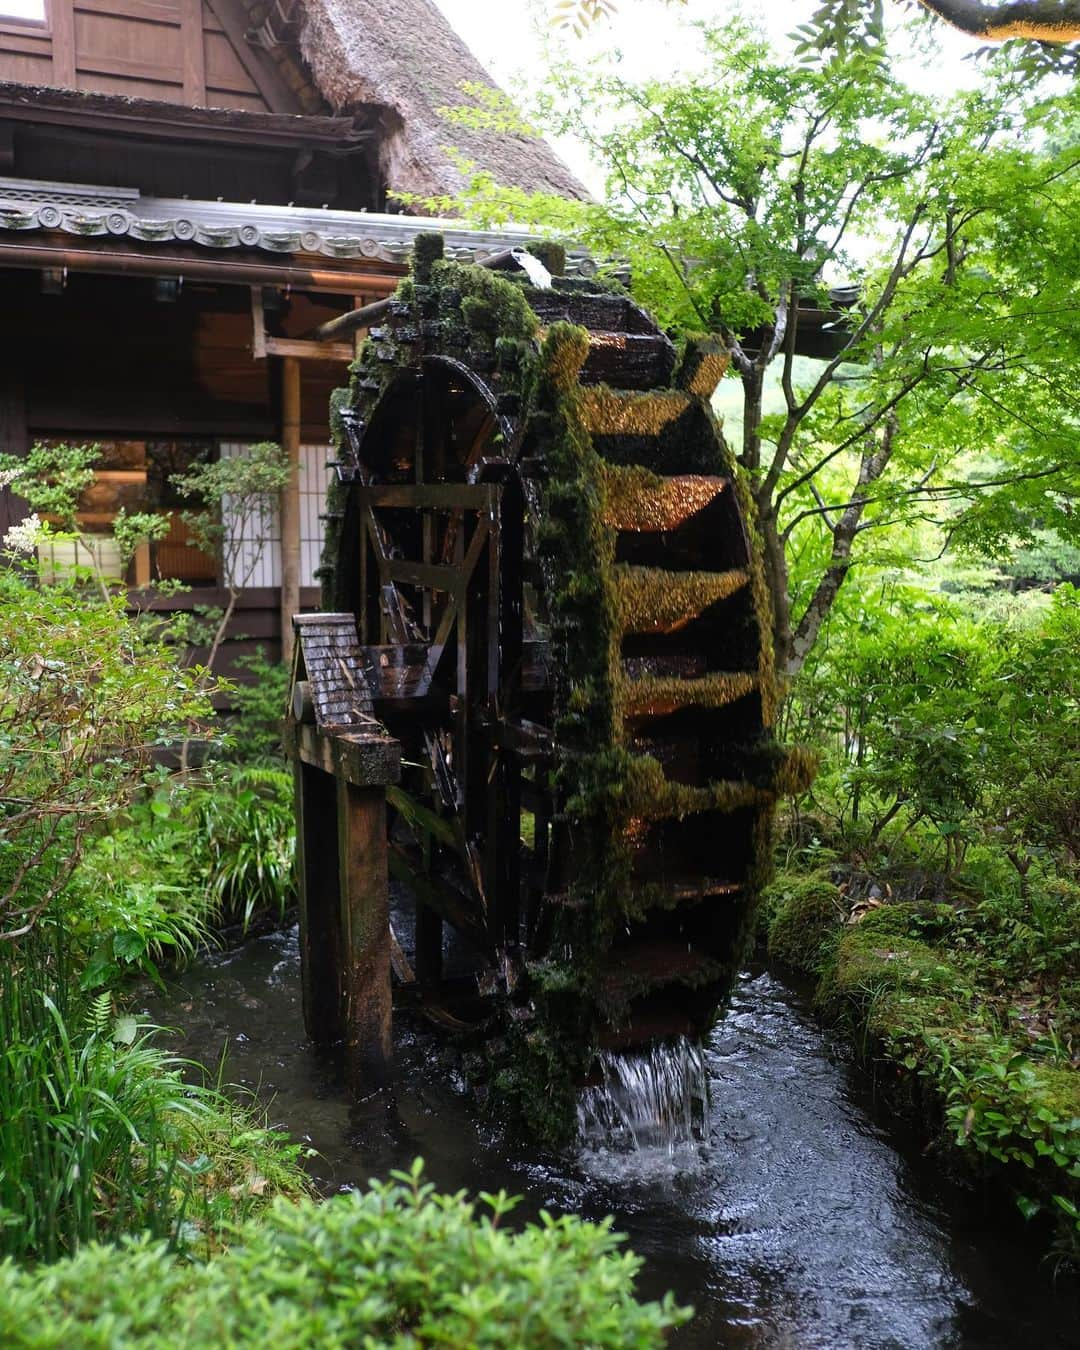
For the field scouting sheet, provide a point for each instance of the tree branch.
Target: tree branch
(1043, 20)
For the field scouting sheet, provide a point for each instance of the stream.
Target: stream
(797, 1219)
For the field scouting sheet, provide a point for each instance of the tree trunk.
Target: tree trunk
(776, 578)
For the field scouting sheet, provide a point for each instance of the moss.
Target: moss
(657, 694)
(795, 771)
(645, 793)
(613, 412)
(919, 920)
(551, 254)
(635, 498)
(428, 249)
(759, 587)
(869, 962)
(702, 366)
(804, 918)
(651, 600)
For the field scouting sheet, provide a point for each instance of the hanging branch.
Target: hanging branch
(1041, 20)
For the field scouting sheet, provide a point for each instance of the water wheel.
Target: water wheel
(539, 529)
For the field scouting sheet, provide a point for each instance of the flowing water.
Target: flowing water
(770, 1197)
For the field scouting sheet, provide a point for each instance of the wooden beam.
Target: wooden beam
(258, 325)
(436, 496)
(234, 20)
(62, 18)
(145, 117)
(302, 350)
(290, 504)
(114, 261)
(191, 37)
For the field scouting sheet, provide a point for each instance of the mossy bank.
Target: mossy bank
(989, 1071)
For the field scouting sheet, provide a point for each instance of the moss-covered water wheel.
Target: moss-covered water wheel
(551, 561)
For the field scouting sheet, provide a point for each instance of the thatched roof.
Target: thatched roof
(404, 56)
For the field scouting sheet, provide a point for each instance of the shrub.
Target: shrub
(259, 706)
(85, 694)
(395, 1264)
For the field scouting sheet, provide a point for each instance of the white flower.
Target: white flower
(25, 536)
(8, 476)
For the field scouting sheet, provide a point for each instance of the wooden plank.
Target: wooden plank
(32, 44)
(233, 17)
(21, 69)
(149, 11)
(365, 761)
(309, 351)
(20, 27)
(130, 68)
(62, 16)
(435, 576)
(194, 53)
(438, 496)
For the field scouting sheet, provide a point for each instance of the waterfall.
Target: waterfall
(651, 1100)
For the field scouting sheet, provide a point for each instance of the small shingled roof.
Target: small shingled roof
(404, 56)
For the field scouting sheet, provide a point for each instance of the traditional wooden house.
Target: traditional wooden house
(188, 190)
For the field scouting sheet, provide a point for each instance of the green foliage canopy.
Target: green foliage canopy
(739, 190)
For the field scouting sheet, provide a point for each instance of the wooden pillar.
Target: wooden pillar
(365, 927)
(290, 504)
(320, 911)
(62, 22)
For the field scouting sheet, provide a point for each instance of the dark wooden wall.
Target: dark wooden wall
(178, 51)
(104, 357)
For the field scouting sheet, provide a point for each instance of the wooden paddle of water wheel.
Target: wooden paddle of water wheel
(559, 616)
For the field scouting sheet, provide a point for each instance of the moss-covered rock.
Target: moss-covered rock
(804, 915)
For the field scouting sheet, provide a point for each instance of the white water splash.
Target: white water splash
(653, 1101)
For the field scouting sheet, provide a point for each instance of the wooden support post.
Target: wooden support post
(141, 565)
(365, 926)
(320, 911)
(194, 56)
(62, 21)
(290, 504)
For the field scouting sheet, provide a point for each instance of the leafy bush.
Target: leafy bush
(258, 710)
(962, 727)
(85, 695)
(396, 1264)
(191, 855)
